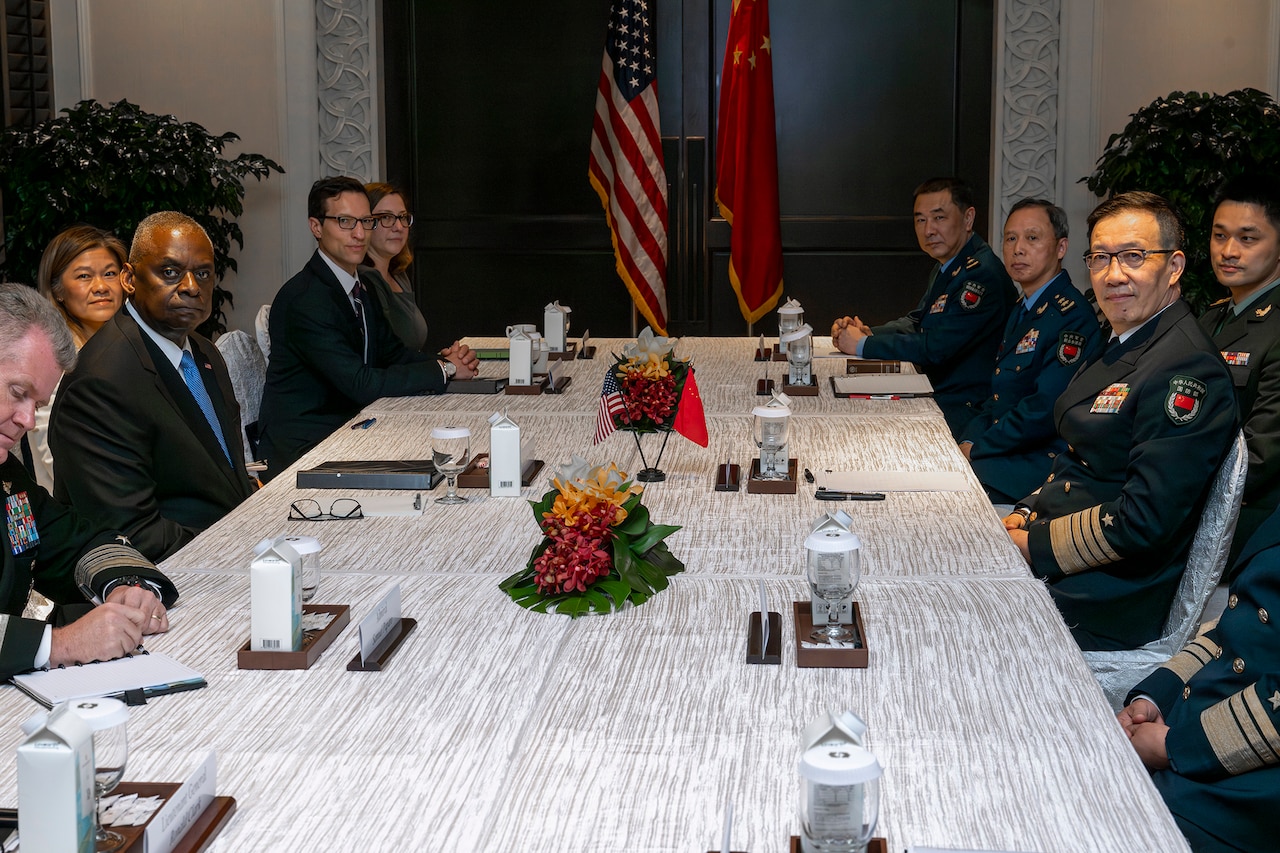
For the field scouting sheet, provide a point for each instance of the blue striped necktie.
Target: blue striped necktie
(191, 375)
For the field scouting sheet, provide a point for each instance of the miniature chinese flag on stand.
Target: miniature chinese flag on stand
(747, 161)
(691, 418)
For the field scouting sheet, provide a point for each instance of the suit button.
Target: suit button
(1053, 456)
(997, 371)
(1070, 449)
(995, 396)
(1263, 617)
(1238, 665)
(1066, 487)
(1217, 653)
(995, 421)
(1050, 480)
(1186, 693)
(1017, 369)
(1233, 601)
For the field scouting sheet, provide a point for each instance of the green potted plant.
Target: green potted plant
(111, 166)
(1183, 147)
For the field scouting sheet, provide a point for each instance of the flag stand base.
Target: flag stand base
(651, 473)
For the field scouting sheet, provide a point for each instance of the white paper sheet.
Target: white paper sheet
(893, 481)
(877, 384)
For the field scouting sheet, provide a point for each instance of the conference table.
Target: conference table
(498, 729)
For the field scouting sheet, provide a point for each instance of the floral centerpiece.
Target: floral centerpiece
(600, 549)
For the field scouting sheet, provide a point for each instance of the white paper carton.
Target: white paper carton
(506, 459)
(55, 785)
(520, 364)
(555, 326)
(275, 592)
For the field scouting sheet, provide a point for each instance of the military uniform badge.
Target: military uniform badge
(20, 523)
(972, 294)
(939, 305)
(1070, 345)
(1236, 359)
(1110, 400)
(1186, 394)
(1262, 312)
(1028, 342)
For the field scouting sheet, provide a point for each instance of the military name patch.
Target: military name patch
(939, 305)
(1110, 400)
(1028, 342)
(1186, 394)
(1236, 359)
(21, 523)
(972, 294)
(1070, 346)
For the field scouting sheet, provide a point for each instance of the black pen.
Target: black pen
(365, 424)
(832, 495)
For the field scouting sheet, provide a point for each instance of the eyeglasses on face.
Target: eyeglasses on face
(342, 509)
(1130, 259)
(348, 223)
(388, 220)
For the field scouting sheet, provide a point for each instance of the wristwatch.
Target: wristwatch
(130, 580)
(449, 368)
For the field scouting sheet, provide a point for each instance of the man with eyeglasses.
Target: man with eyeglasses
(332, 350)
(953, 332)
(146, 431)
(1244, 247)
(1147, 421)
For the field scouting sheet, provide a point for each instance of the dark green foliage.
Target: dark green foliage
(1183, 147)
(111, 166)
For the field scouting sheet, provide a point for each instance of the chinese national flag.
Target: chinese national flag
(747, 161)
(691, 418)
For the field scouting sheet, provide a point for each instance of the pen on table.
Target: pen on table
(365, 424)
(874, 397)
(833, 495)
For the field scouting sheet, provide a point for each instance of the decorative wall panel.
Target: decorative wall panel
(346, 87)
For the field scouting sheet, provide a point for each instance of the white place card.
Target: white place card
(183, 809)
(379, 624)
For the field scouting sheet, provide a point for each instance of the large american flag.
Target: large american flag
(611, 405)
(626, 157)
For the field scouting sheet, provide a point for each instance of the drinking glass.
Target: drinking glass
(108, 718)
(769, 429)
(451, 451)
(833, 576)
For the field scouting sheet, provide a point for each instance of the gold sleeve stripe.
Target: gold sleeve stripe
(1241, 734)
(1078, 542)
(112, 556)
(1192, 658)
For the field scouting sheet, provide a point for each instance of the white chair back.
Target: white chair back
(248, 370)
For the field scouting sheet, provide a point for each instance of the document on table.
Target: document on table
(882, 385)
(893, 481)
(153, 673)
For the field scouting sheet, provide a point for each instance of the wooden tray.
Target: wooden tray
(201, 834)
(875, 845)
(773, 487)
(801, 390)
(539, 382)
(569, 354)
(837, 658)
(478, 478)
(313, 643)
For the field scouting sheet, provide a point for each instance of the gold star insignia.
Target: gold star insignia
(766, 46)
(752, 59)
(737, 57)
(1109, 520)
(1275, 701)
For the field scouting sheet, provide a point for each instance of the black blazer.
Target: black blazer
(133, 450)
(317, 378)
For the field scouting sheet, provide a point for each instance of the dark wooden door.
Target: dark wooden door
(488, 117)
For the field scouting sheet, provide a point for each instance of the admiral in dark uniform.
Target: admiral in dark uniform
(1012, 440)
(1244, 248)
(953, 333)
(50, 554)
(1147, 423)
(1213, 735)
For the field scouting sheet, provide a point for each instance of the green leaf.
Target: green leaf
(573, 607)
(617, 590)
(636, 522)
(655, 534)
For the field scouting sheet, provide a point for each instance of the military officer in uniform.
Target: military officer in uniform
(53, 559)
(1147, 423)
(1207, 721)
(1011, 441)
(1244, 247)
(953, 333)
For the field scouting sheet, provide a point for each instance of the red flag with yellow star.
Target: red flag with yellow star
(747, 161)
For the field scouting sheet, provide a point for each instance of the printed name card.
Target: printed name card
(183, 809)
(378, 625)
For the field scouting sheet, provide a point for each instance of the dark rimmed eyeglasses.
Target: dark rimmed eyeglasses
(1130, 259)
(342, 509)
(348, 223)
(388, 220)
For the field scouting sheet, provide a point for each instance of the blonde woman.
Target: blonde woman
(80, 274)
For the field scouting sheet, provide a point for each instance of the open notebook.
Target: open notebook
(133, 678)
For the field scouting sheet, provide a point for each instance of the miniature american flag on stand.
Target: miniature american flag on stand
(611, 405)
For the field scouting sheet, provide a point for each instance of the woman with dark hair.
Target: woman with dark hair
(386, 265)
(80, 274)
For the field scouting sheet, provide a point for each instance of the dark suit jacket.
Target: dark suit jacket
(1013, 434)
(1250, 344)
(317, 378)
(1220, 697)
(69, 551)
(1147, 425)
(132, 449)
(953, 333)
